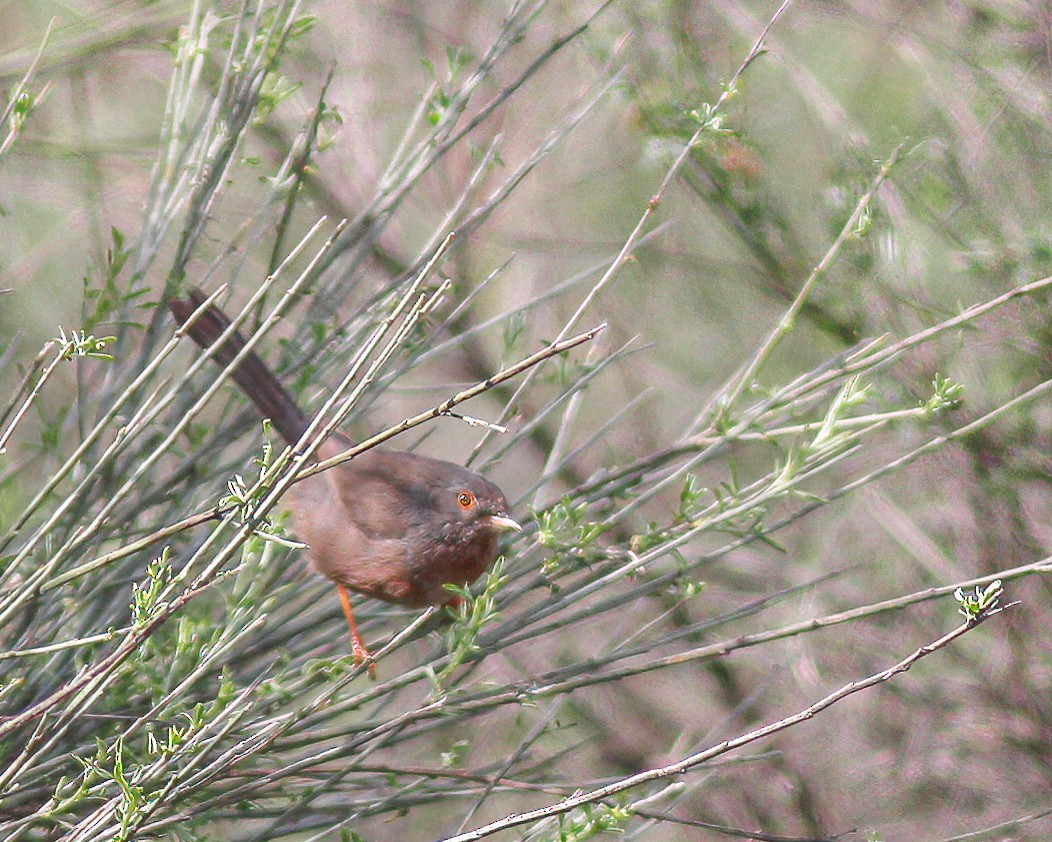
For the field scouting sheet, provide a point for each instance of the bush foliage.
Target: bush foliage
(745, 308)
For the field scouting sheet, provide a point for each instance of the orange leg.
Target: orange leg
(361, 654)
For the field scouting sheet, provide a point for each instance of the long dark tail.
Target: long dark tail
(256, 380)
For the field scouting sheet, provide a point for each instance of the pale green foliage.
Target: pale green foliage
(740, 458)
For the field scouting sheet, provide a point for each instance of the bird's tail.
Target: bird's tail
(256, 380)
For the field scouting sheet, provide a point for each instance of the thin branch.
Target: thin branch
(688, 763)
(551, 350)
(27, 78)
(644, 220)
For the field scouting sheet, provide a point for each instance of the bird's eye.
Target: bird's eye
(466, 499)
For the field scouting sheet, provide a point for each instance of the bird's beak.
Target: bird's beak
(503, 523)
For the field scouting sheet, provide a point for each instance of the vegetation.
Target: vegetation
(745, 306)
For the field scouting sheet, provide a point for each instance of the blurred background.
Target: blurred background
(584, 111)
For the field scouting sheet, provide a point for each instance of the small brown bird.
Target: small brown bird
(392, 525)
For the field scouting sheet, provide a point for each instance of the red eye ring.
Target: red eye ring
(466, 500)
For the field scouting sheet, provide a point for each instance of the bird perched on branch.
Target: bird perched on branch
(392, 525)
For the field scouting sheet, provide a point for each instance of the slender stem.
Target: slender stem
(443, 408)
(688, 763)
(644, 220)
(60, 355)
(728, 396)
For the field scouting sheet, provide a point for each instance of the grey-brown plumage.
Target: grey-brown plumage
(398, 526)
(393, 525)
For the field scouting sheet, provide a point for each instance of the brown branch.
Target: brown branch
(552, 350)
(688, 763)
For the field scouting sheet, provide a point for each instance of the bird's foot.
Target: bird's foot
(363, 656)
